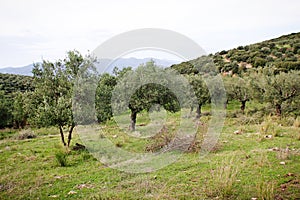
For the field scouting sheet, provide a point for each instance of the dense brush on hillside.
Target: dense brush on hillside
(282, 53)
(10, 83)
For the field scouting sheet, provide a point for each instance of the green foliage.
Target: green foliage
(265, 54)
(277, 89)
(237, 88)
(61, 158)
(54, 88)
(11, 86)
(201, 91)
(104, 90)
(11, 83)
(5, 110)
(144, 96)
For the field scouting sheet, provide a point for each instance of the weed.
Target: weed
(224, 177)
(296, 123)
(265, 189)
(61, 158)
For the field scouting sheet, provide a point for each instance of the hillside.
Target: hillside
(282, 53)
(10, 83)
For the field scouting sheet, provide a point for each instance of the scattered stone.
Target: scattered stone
(58, 177)
(238, 132)
(282, 163)
(81, 186)
(269, 136)
(7, 148)
(289, 174)
(78, 147)
(114, 136)
(54, 196)
(275, 149)
(253, 198)
(72, 192)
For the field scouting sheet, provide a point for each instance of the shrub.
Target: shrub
(265, 50)
(278, 54)
(26, 134)
(61, 158)
(259, 62)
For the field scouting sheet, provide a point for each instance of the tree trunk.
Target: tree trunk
(132, 120)
(225, 104)
(243, 106)
(191, 111)
(278, 109)
(62, 135)
(70, 134)
(198, 111)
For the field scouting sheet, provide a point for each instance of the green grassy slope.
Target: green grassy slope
(241, 166)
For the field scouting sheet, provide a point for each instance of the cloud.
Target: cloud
(34, 28)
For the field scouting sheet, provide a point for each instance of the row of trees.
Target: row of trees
(52, 100)
(266, 86)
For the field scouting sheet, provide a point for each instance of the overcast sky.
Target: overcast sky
(32, 30)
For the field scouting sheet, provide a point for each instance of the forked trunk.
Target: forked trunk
(62, 135)
(70, 134)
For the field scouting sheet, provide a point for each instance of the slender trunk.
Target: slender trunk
(198, 111)
(191, 112)
(225, 104)
(243, 106)
(70, 134)
(278, 109)
(133, 120)
(62, 135)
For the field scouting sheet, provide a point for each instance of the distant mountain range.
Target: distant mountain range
(120, 63)
(26, 70)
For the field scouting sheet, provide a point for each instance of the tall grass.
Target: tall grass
(224, 178)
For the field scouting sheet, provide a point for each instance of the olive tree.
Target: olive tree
(276, 88)
(237, 88)
(54, 83)
(201, 91)
(137, 91)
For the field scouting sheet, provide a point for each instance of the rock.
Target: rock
(289, 174)
(78, 147)
(72, 192)
(81, 186)
(282, 163)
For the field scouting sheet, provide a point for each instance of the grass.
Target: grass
(243, 166)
